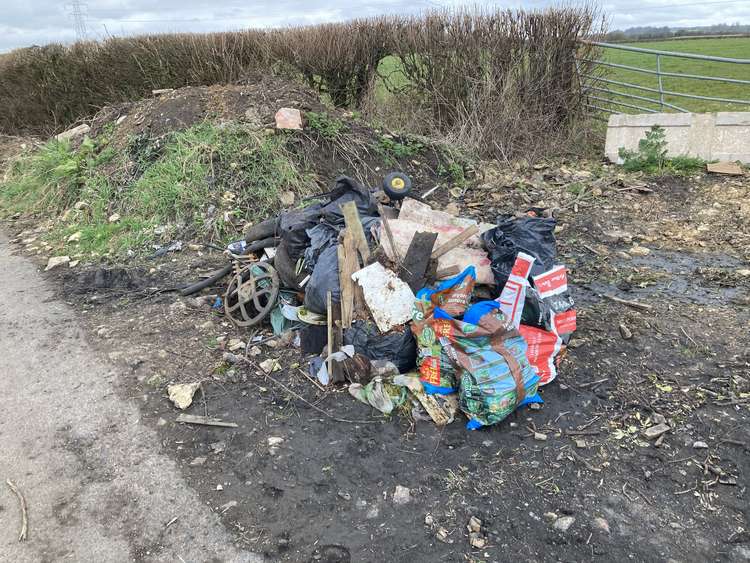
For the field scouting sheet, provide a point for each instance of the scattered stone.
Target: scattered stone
(230, 358)
(487, 443)
(361, 504)
(344, 495)
(477, 541)
(287, 198)
(540, 437)
(74, 263)
(275, 441)
(194, 247)
(550, 516)
(270, 365)
(181, 394)
(255, 351)
(289, 118)
(442, 535)
(625, 332)
(56, 261)
(402, 495)
(114, 218)
(198, 461)
(535, 406)
(654, 432)
(453, 209)
(218, 447)
(601, 524)
(80, 205)
(475, 524)
(639, 251)
(744, 272)
(75, 237)
(74, 132)
(428, 519)
(161, 422)
(373, 513)
(580, 444)
(219, 487)
(235, 344)
(700, 445)
(659, 418)
(563, 523)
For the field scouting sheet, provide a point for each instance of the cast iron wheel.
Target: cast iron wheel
(251, 294)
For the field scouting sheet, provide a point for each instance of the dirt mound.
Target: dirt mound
(254, 102)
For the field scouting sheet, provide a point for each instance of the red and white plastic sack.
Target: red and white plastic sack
(552, 311)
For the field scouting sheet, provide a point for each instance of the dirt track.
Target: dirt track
(98, 483)
(326, 493)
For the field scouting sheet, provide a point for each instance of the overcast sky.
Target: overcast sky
(36, 22)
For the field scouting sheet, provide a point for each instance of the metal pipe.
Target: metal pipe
(672, 74)
(666, 92)
(666, 53)
(658, 76)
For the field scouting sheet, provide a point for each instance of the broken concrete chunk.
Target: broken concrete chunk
(402, 495)
(74, 132)
(388, 298)
(270, 365)
(563, 523)
(655, 431)
(181, 394)
(475, 524)
(56, 261)
(289, 118)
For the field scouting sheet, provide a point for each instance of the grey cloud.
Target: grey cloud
(44, 21)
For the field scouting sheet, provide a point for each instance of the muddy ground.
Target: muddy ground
(595, 489)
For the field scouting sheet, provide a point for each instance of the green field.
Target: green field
(732, 47)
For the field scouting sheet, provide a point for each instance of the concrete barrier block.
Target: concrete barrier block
(711, 136)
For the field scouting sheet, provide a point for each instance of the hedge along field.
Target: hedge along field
(501, 82)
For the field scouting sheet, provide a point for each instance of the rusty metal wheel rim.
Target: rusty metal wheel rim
(246, 301)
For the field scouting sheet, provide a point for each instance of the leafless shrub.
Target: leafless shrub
(501, 82)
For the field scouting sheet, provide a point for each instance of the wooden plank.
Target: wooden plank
(354, 225)
(329, 320)
(414, 267)
(456, 241)
(348, 264)
(447, 272)
(204, 420)
(729, 168)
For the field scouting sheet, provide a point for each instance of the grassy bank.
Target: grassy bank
(204, 182)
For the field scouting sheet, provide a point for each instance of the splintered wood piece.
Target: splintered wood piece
(204, 420)
(414, 267)
(447, 272)
(354, 225)
(389, 234)
(456, 241)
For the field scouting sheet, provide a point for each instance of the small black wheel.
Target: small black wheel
(397, 185)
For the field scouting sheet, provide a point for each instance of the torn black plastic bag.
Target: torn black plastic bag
(397, 347)
(533, 235)
(324, 278)
(293, 226)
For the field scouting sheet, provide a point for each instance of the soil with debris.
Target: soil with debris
(310, 475)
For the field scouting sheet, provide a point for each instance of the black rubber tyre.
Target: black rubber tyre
(397, 185)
